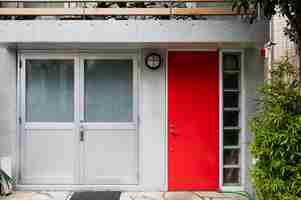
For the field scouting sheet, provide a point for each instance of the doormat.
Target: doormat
(96, 195)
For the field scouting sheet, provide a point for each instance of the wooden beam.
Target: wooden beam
(203, 11)
(40, 11)
(115, 11)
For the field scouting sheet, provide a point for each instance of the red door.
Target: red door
(193, 121)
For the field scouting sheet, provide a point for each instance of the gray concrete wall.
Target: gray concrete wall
(7, 100)
(132, 31)
(254, 76)
(7, 106)
(153, 122)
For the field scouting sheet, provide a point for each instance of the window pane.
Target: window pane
(231, 118)
(231, 176)
(231, 61)
(231, 100)
(231, 156)
(231, 81)
(231, 137)
(108, 90)
(49, 90)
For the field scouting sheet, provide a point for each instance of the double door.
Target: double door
(78, 119)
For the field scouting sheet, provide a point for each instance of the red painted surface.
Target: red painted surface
(193, 121)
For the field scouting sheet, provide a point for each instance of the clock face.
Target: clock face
(153, 61)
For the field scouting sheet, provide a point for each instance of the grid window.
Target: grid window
(231, 64)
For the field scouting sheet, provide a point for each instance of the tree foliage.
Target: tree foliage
(291, 9)
(276, 143)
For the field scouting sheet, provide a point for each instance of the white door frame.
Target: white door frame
(78, 112)
(242, 121)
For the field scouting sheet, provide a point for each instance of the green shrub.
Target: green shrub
(276, 142)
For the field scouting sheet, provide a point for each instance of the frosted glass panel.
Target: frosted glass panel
(49, 90)
(108, 90)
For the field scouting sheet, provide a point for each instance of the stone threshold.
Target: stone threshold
(24, 195)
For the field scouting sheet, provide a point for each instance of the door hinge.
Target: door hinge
(20, 120)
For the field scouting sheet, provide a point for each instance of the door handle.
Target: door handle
(174, 132)
(172, 129)
(81, 133)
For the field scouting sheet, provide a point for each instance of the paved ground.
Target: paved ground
(125, 196)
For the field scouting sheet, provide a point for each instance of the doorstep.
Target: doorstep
(21, 195)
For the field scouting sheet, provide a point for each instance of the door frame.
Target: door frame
(20, 111)
(242, 118)
(220, 92)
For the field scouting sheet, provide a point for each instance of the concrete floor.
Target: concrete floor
(20, 195)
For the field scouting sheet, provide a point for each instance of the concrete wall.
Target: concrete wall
(7, 102)
(254, 76)
(132, 31)
(152, 111)
(7, 99)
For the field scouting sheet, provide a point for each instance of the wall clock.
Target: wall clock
(153, 61)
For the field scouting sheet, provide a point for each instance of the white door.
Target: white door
(109, 119)
(79, 120)
(49, 135)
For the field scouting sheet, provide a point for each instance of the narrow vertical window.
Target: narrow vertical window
(231, 64)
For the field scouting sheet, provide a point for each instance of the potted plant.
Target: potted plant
(6, 183)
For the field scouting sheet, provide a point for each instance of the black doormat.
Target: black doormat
(97, 195)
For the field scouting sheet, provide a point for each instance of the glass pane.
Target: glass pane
(108, 90)
(231, 100)
(231, 156)
(231, 81)
(231, 61)
(231, 176)
(231, 118)
(231, 137)
(49, 90)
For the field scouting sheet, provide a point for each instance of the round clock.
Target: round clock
(153, 61)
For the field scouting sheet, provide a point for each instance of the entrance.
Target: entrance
(79, 119)
(193, 121)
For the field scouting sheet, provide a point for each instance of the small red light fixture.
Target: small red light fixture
(263, 52)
